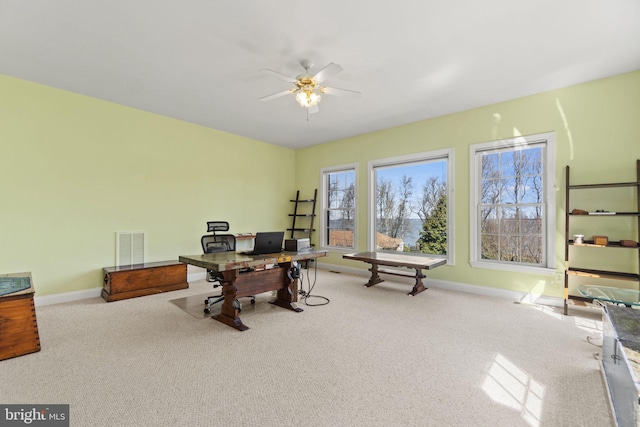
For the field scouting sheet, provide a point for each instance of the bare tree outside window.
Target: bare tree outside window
(340, 208)
(512, 205)
(411, 207)
(513, 201)
(394, 206)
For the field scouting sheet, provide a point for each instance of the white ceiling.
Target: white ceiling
(199, 60)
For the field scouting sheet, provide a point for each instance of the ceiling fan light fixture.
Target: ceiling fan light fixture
(307, 98)
(306, 87)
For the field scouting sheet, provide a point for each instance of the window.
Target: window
(411, 204)
(338, 219)
(513, 203)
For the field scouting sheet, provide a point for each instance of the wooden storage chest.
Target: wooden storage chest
(18, 324)
(130, 281)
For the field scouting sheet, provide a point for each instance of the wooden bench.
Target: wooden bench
(412, 262)
(130, 281)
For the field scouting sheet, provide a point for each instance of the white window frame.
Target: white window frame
(444, 154)
(324, 173)
(549, 200)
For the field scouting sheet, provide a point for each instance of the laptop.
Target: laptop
(267, 243)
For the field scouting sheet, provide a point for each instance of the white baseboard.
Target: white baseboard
(91, 293)
(194, 277)
(515, 296)
(442, 284)
(66, 297)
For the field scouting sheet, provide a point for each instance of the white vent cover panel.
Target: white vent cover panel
(131, 247)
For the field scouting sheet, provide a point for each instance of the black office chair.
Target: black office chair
(212, 243)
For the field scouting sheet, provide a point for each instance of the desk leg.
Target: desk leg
(229, 310)
(288, 293)
(419, 286)
(375, 278)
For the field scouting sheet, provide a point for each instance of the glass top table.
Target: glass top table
(628, 297)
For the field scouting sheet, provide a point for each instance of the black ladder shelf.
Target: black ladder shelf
(309, 214)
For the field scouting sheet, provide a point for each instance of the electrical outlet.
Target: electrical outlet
(559, 278)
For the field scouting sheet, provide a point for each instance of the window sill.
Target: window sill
(338, 249)
(514, 268)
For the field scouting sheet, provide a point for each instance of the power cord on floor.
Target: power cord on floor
(305, 295)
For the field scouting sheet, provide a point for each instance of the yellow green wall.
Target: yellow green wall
(75, 170)
(597, 128)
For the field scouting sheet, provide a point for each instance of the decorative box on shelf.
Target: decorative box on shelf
(600, 240)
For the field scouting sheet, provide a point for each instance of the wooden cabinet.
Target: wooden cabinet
(130, 281)
(18, 324)
(620, 216)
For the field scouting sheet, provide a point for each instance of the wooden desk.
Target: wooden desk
(417, 263)
(241, 284)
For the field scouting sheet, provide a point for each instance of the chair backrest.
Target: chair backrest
(213, 226)
(218, 243)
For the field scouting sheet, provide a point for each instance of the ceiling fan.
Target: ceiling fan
(308, 88)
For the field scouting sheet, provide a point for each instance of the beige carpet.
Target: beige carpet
(371, 357)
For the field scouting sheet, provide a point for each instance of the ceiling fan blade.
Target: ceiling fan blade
(327, 72)
(313, 109)
(277, 95)
(341, 92)
(280, 75)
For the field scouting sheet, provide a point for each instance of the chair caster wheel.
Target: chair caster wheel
(206, 310)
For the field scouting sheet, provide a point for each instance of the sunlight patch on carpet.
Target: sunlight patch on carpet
(536, 292)
(591, 326)
(549, 311)
(511, 386)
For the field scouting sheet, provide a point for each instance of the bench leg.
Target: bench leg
(375, 278)
(419, 286)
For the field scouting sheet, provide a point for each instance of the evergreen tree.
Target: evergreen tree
(433, 237)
